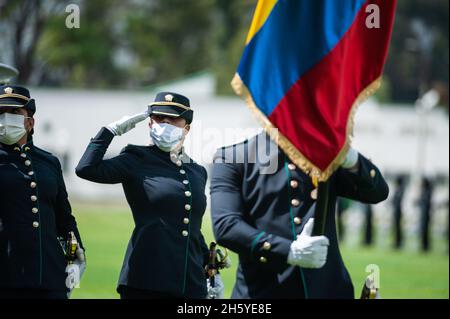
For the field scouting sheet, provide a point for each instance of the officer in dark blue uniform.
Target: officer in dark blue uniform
(34, 207)
(165, 189)
(260, 202)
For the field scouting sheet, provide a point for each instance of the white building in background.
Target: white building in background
(68, 119)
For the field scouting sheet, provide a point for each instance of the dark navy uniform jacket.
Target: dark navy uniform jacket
(166, 252)
(34, 212)
(259, 215)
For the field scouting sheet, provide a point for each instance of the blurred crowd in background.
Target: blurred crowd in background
(412, 218)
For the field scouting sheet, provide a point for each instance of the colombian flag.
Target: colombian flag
(306, 67)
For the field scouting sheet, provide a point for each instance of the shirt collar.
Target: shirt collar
(27, 147)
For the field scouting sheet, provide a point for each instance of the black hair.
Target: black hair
(30, 114)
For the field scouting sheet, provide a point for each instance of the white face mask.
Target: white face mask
(166, 136)
(12, 128)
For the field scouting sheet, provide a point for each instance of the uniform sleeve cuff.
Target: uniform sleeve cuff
(271, 250)
(105, 134)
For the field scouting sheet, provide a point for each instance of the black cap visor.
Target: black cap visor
(12, 102)
(172, 110)
(8, 103)
(167, 110)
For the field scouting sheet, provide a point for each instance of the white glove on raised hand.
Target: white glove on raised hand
(126, 123)
(351, 159)
(309, 251)
(216, 292)
(75, 270)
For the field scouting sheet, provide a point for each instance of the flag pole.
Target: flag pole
(322, 204)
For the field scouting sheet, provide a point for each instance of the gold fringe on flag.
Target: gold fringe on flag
(288, 148)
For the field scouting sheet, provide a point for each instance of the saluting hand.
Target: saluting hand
(309, 251)
(126, 123)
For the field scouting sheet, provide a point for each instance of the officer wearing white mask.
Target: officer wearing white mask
(34, 210)
(167, 253)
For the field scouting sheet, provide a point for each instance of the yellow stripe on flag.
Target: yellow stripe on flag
(262, 12)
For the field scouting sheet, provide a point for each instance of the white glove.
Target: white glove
(309, 251)
(216, 292)
(126, 123)
(227, 262)
(351, 159)
(75, 270)
(81, 260)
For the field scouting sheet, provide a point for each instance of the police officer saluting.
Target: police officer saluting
(167, 254)
(34, 208)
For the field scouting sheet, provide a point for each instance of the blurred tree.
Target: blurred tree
(231, 24)
(83, 57)
(170, 38)
(22, 24)
(419, 53)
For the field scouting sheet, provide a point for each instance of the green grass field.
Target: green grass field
(106, 230)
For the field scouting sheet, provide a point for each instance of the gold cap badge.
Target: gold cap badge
(8, 90)
(169, 97)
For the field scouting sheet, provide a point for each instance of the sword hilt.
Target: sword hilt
(71, 247)
(369, 291)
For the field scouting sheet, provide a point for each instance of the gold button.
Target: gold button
(186, 221)
(33, 185)
(182, 171)
(185, 233)
(35, 210)
(16, 149)
(31, 173)
(179, 163)
(187, 207)
(294, 184)
(373, 173)
(23, 155)
(295, 202)
(27, 163)
(27, 149)
(292, 167)
(263, 260)
(297, 220)
(35, 224)
(33, 198)
(187, 193)
(267, 245)
(314, 193)
(185, 182)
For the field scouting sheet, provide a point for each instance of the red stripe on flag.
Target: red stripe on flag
(320, 102)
